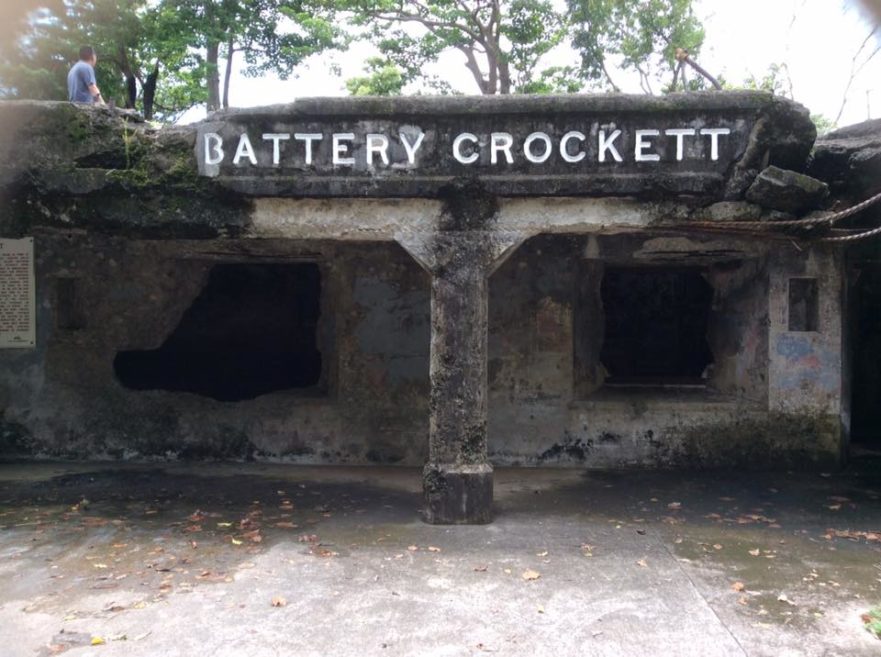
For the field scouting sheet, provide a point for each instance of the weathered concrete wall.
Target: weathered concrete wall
(63, 398)
(539, 414)
(372, 407)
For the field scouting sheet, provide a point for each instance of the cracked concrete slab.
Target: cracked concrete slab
(181, 560)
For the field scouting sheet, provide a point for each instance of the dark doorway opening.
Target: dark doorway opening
(252, 330)
(655, 326)
(866, 382)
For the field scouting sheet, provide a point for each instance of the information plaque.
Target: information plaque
(17, 295)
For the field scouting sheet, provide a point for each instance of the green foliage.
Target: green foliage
(640, 36)
(383, 79)
(271, 35)
(126, 39)
(504, 43)
(160, 55)
(164, 56)
(776, 81)
(554, 80)
(872, 622)
(823, 123)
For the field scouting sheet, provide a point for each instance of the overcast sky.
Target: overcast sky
(817, 39)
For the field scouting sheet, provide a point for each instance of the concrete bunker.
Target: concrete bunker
(457, 315)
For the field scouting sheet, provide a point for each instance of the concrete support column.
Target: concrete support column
(458, 478)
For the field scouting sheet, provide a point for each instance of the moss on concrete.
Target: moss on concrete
(777, 441)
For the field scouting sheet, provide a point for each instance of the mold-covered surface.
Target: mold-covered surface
(370, 405)
(548, 400)
(547, 405)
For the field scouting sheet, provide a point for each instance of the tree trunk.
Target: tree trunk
(131, 90)
(230, 51)
(504, 76)
(150, 91)
(492, 64)
(471, 63)
(213, 78)
(131, 82)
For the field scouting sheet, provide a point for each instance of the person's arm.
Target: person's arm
(92, 84)
(96, 93)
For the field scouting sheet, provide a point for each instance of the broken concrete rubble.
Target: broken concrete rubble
(787, 191)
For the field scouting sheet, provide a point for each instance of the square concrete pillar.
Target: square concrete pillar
(458, 479)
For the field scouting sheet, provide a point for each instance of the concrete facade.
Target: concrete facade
(462, 316)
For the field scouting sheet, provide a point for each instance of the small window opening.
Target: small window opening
(804, 310)
(69, 312)
(252, 330)
(655, 326)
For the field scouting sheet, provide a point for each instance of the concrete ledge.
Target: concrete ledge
(458, 494)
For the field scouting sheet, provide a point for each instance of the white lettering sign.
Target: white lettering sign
(497, 149)
(457, 148)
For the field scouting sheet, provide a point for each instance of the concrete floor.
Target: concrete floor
(184, 560)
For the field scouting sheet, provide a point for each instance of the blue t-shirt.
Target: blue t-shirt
(78, 80)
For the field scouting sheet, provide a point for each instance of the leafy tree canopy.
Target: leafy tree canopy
(505, 45)
(637, 36)
(160, 55)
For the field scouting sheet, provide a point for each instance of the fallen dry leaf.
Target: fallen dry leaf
(642, 563)
(530, 575)
(254, 536)
(320, 551)
(279, 601)
(853, 535)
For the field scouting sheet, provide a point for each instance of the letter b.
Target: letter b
(213, 148)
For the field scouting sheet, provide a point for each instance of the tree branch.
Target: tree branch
(471, 64)
(682, 56)
(855, 70)
(609, 79)
(427, 22)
